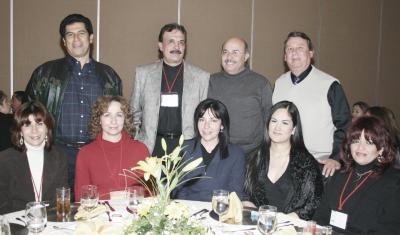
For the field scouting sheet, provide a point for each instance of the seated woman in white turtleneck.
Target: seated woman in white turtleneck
(33, 169)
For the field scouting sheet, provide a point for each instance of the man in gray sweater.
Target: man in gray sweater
(246, 94)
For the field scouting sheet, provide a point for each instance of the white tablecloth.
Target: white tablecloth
(126, 217)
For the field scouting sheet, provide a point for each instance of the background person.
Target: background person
(18, 98)
(284, 173)
(34, 168)
(363, 198)
(223, 163)
(358, 110)
(6, 119)
(101, 162)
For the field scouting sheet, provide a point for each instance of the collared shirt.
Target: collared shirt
(298, 79)
(340, 110)
(80, 94)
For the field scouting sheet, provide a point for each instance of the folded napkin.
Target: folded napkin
(82, 214)
(235, 211)
(287, 230)
(97, 227)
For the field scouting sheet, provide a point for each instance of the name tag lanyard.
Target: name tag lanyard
(341, 201)
(38, 194)
(170, 87)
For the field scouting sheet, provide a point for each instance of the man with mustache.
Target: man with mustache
(166, 93)
(246, 94)
(324, 111)
(69, 86)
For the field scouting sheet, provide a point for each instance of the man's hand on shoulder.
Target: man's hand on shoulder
(330, 166)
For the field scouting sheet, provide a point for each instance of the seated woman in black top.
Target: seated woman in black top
(284, 173)
(223, 164)
(363, 198)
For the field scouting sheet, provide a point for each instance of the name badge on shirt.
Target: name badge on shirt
(338, 219)
(170, 100)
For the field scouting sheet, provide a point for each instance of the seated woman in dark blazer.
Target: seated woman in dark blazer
(283, 173)
(363, 198)
(223, 163)
(33, 169)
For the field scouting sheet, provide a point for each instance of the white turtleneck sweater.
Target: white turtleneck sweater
(35, 156)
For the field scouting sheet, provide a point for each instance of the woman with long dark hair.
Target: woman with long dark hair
(283, 173)
(223, 164)
(363, 198)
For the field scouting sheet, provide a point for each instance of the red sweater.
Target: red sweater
(101, 162)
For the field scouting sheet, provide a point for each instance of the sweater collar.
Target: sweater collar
(243, 74)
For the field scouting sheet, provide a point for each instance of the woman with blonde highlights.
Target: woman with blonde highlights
(113, 149)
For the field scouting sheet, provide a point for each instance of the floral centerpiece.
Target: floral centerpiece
(158, 214)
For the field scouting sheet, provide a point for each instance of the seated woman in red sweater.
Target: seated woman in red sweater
(113, 149)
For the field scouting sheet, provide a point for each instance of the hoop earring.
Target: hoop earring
(45, 139)
(21, 140)
(380, 158)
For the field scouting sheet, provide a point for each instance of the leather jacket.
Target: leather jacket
(49, 80)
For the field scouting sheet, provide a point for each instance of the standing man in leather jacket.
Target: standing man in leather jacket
(69, 86)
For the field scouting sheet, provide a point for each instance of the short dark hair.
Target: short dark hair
(75, 18)
(302, 35)
(21, 118)
(219, 110)
(21, 96)
(375, 131)
(3, 96)
(363, 106)
(170, 27)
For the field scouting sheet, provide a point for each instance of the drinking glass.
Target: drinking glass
(135, 195)
(89, 197)
(4, 226)
(36, 216)
(220, 203)
(266, 219)
(63, 196)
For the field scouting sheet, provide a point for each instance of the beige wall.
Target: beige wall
(355, 40)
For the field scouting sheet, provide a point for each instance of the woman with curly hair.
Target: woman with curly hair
(113, 149)
(363, 198)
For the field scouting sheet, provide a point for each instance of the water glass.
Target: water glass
(63, 196)
(327, 230)
(135, 195)
(89, 197)
(35, 216)
(4, 226)
(220, 203)
(267, 220)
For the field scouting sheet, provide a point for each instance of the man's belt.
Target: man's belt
(76, 145)
(169, 135)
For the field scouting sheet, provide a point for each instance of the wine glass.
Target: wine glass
(36, 216)
(89, 197)
(220, 203)
(135, 195)
(266, 219)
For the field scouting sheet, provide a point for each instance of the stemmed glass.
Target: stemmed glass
(89, 197)
(266, 219)
(135, 195)
(36, 216)
(220, 203)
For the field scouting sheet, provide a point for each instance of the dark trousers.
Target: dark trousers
(171, 145)
(71, 153)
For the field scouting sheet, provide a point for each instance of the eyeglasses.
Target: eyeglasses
(234, 53)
